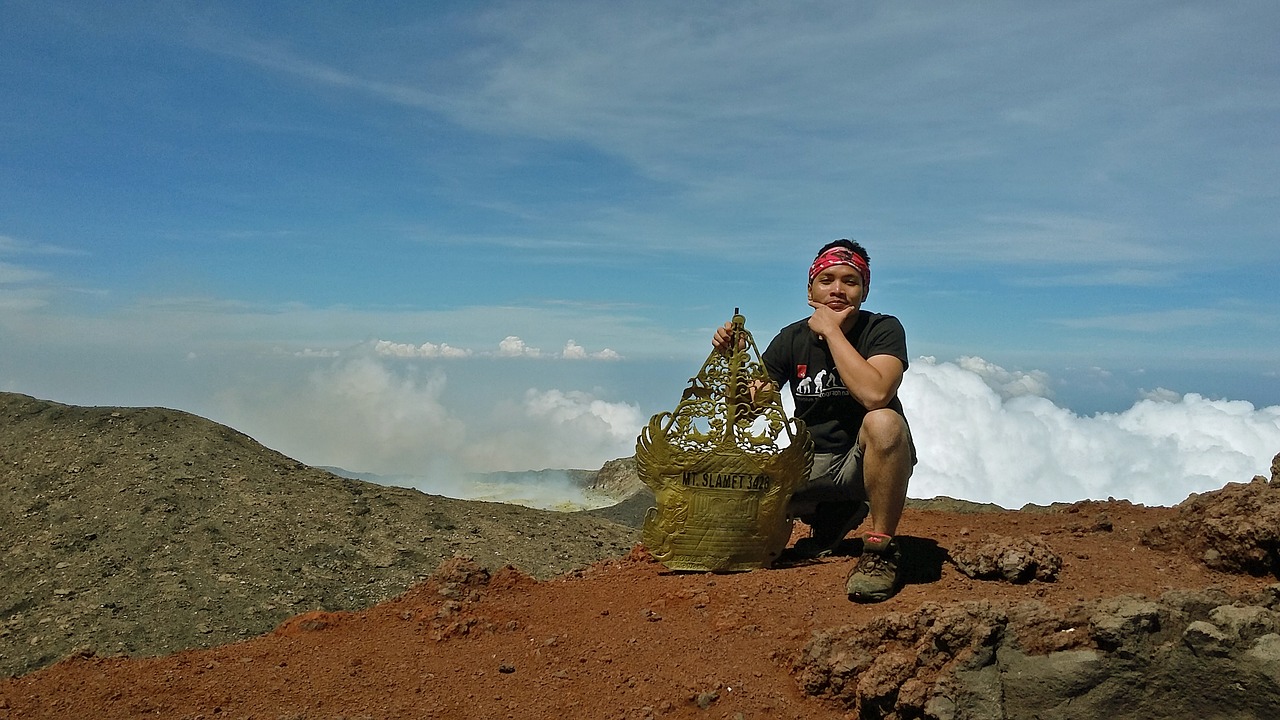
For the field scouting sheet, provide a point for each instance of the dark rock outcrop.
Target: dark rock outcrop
(1187, 654)
(1234, 529)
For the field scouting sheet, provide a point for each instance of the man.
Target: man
(844, 365)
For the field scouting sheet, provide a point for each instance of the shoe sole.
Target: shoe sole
(872, 597)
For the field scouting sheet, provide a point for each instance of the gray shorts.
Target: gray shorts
(834, 476)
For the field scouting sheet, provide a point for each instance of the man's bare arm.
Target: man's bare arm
(873, 381)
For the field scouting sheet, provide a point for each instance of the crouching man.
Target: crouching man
(844, 365)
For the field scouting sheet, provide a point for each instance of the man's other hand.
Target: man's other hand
(720, 340)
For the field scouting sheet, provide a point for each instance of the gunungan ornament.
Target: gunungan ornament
(723, 466)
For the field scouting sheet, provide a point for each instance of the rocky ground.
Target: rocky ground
(180, 570)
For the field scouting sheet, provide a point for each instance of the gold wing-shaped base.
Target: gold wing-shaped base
(723, 467)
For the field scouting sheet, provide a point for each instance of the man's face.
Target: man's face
(838, 287)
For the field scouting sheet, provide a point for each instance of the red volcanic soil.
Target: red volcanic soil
(624, 638)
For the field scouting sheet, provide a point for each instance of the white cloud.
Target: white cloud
(976, 445)
(1162, 395)
(574, 351)
(13, 246)
(620, 420)
(356, 414)
(557, 429)
(983, 433)
(14, 274)
(313, 353)
(1008, 383)
(401, 417)
(425, 350)
(372, 414)
(512, 346)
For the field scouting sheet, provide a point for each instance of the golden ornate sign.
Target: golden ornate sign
(718, 472)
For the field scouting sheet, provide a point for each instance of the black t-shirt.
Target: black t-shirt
(798, 358)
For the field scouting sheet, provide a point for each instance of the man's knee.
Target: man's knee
(884, 430)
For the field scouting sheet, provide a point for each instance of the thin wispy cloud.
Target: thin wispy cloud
(829, 81)
(14, 246)
(1154, 322)
(510, 347)
(1123, 277)
(274, 57)
(16, 274)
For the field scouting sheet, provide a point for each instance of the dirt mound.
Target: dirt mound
(1013, 559)
(147, 530)
(1236, 528)
(1123, 629)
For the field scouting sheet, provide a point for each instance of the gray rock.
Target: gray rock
(1205, 638)
(1124, 622)
(1264, 656)
(1133, 658)
(1245, 623)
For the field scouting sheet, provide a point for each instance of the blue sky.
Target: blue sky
(462, 224)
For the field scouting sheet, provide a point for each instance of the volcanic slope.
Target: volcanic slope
(147, 530)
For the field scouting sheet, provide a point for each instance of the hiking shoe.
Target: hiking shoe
(875, 577)
(830, 522)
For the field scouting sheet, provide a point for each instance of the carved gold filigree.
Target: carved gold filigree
(723, 466)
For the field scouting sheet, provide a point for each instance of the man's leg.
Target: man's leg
(887, 461)
(831, 503)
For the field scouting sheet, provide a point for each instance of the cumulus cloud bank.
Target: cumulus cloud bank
(988, 435)
(360, 414)
(556, 429)
(385, 413)
(425, 350)
(983, 433)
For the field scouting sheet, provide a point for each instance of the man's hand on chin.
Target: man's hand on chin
(826, 321)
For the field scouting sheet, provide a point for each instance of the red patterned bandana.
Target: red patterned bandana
(841, 256)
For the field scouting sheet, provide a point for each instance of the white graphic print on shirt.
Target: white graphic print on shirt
(825, 383)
